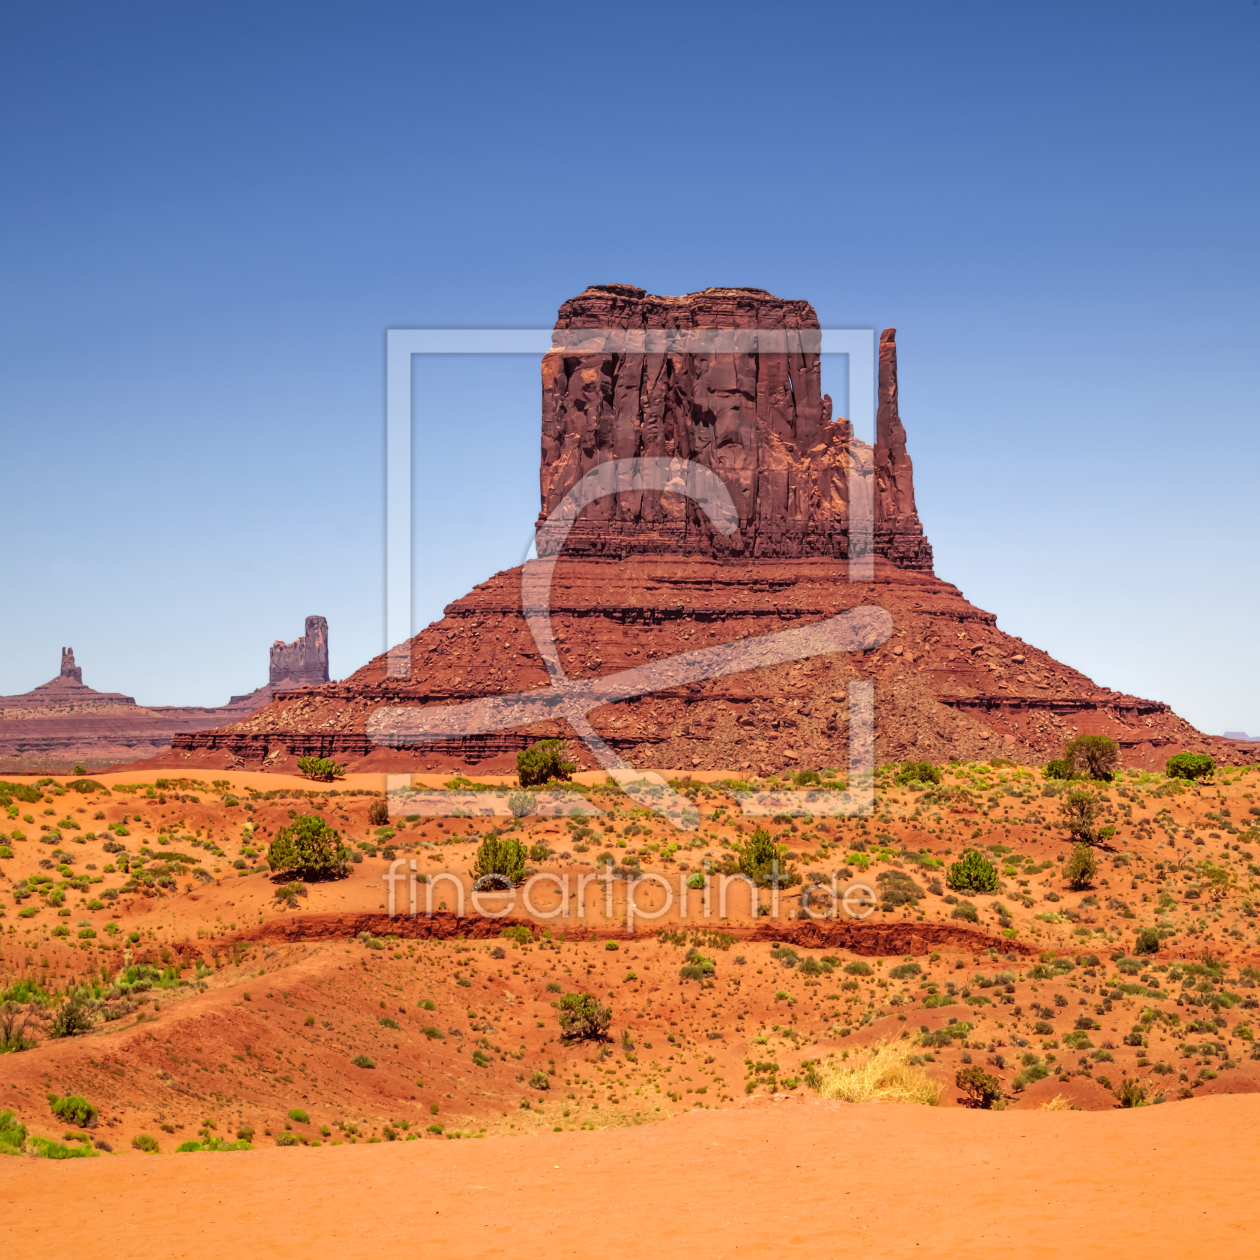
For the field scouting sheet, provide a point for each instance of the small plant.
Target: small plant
(1189, 766)
(538, 1079)
(542, 762)
(766, 862)
(582, 1017)
(1058, 770)
(143, 1142)
(1080, 810)
(378, 813)
(1147, 942)
(521, 804)
(73, 1110)
(299, 1115)
(362, 1061)
(1130, 1093)
(982, 1090)
(973, 872)
(322, 768)
(309, 848)
(499, 855)
(1081, 867)
(72, 1016)
(890, 1073)
(1093, 755)
(918, 772)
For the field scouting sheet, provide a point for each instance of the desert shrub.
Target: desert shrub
(143, 1142)
(1033, 1072)
(695, 880)
(973, 872)
(1093, 755)
(72, 1016)
(73, 1110)
(1080, 810)
(857, 968)
(1147, 942)
(500, 855)
(87, 785)
(582, 1017)
(765, 861)
(696, 966)
(12, 1134)
(905, 970)
(542, 762)
(1058, 769)
(378, 813)
(918, 772)
(1081, 867)
(17, 1026)
(1130, 1093)
(362, 1061)
(965, 910)
(886, 1075)
(290, 892)
(897, 889)
(521, 804)
(943, 1036)
(309, 848)
(538, 1079)
(981, 1089)
(1189, 766)
(432, 1032)
(299, 1115)
(287, 1139)
(518, 932)
(323, 768)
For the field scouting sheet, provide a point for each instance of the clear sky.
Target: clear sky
(211, 212)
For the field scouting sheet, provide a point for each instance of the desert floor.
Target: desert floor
(777, 1178)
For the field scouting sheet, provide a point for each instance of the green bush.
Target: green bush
(904, 971)
(1147, 942)
(696, 966)
(521, 804)
(582, 1017)
(21, 792)
(12, 1134)
(1093, 755)
(982, 1090)
(72, 1016)
(378, 813)
(1189, 766)
(973, 872)
(763, 860)
(301, 1116)
(143, 1142)
(897, 889)
(918, 772)
(323, 768)
(1058, 770)
(309, 848)
(538, 1079)
(500, 855)
(73, 1110)
(1081, 867)
(1130, 1093)
(965, 910)
(86, 785)
(1080, 810)
(542, 762)
(288, 1139)
(857, 968)
(362, 1061)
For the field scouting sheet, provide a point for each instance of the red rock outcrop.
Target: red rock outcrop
(644, 577)
(726, 378)
(304, 662)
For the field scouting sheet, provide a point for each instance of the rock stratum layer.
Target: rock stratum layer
(644, 578)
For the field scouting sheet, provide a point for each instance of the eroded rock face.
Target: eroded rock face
(304, 662)
(730, 379)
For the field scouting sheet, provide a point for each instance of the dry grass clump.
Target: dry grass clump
(886, 1075)
(1057, 1103)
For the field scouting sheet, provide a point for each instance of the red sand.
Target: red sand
(803, 1178)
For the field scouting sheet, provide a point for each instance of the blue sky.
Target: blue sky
(210, 213)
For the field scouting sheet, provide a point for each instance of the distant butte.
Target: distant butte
(644, 576)
(64, 722)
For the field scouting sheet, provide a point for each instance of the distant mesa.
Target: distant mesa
(64, 722)
(728, 378)
(1242, 736)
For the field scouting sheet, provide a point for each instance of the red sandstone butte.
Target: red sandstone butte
(644, 577)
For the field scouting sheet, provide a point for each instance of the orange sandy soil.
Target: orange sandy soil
(267, 1005)
(767, 1178)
